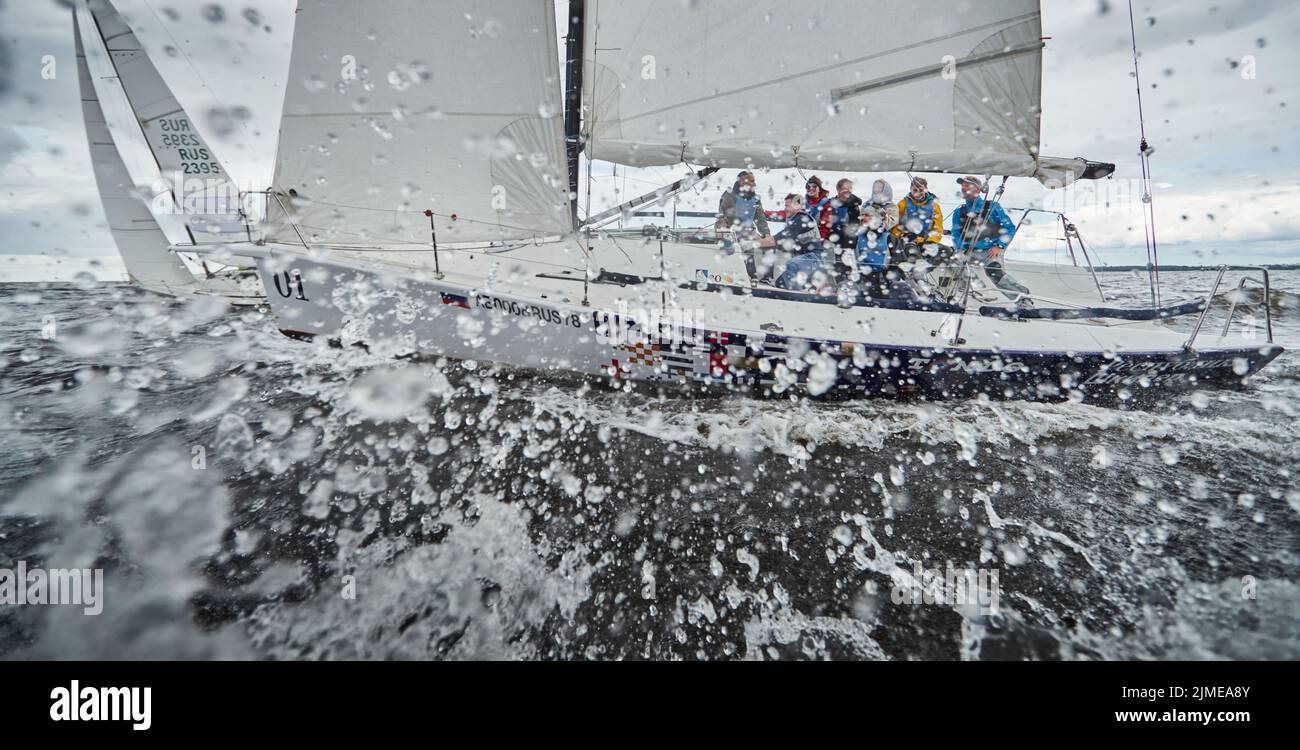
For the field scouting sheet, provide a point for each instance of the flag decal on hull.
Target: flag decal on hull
(456, 300)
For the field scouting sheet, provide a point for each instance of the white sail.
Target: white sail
(140, 241)
(945, 86)
(200, 185)
(395, 108)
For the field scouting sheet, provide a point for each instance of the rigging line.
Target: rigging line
(620, 248)
(252, 144)
(505, 251)
(1148, 204)
(489, 248)
(463, 250)
(408, 115)
(334, 231)
(421, 213)
(622, 194)
(1100, 261)
(584, 236)
(658, 181)
(336, 238)
(589, 122)
(587, 209)
(797, 167)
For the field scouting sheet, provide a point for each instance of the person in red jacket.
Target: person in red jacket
(818, 205)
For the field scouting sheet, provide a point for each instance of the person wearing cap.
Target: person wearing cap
(920, 218)
(843, 239)
(983, 228)
(845, 207)
(817, 203)
(740, 208)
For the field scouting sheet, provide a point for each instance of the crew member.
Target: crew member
(801, 239)
(818, 204)
(984, 230)
(878, 217)
(845, 226)
(920, 218)
(741, 211)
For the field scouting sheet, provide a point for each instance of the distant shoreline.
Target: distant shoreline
(1163, 268)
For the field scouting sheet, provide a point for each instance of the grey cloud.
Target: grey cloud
(11, 144)
(1174, 23)
(6, 69)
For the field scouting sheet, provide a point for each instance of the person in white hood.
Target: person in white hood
(879, 216)
(882, 207)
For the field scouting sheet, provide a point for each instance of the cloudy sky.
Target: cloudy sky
(1221, 80)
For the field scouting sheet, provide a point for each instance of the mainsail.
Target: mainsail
(405, 106)
(891, 85)
(199, 184)
(139, 239)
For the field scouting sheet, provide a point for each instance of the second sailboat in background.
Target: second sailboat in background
(130, 83)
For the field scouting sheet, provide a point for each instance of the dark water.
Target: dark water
(255, 497)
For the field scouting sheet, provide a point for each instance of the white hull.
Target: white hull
(237, 289)
(497, 308)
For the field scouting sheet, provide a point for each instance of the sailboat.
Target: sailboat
(426, 197)
(153, 262)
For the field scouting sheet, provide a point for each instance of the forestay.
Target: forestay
(397, 107)
(944, 86)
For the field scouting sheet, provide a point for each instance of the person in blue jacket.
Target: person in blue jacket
(802, 239)
(984, 235)
(740, 212)
(878, 217)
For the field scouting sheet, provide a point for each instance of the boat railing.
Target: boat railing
(1071, 238)
(1232, 309)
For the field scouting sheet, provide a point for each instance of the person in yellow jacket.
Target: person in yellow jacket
(920, 219)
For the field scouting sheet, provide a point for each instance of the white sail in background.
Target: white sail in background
(890, 85)
(407, 105)
(200, 184)
(140, 241)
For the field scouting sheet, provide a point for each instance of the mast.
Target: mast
(573, 98)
